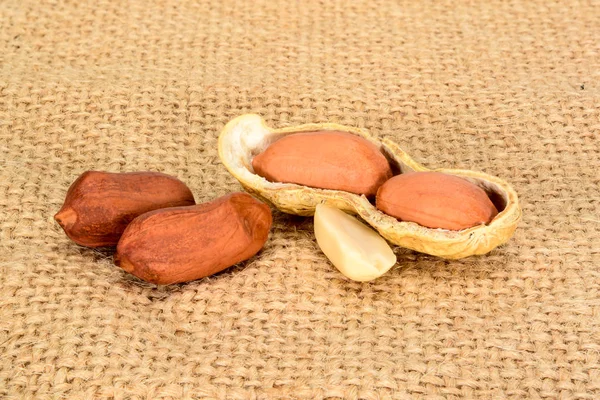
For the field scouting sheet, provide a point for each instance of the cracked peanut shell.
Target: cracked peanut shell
(246, 136)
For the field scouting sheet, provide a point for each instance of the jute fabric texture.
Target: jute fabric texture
(510, 88)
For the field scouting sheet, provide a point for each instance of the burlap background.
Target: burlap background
(508, 88)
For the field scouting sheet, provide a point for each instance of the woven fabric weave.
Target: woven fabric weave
(510, 88)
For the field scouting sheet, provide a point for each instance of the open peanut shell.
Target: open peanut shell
(246, 136)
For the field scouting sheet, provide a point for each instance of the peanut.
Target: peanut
(356, 250)
(186, 243)
(327, 160)
(435, 200)
(99, 205)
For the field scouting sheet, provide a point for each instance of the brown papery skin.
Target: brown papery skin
(435, 200)
(187, 243)
(326, 160)
(99, 205)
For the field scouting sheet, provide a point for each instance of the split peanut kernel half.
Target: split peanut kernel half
(356, 250)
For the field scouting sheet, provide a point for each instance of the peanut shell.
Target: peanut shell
(246, 136)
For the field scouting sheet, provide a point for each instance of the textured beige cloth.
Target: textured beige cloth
(511, 88)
